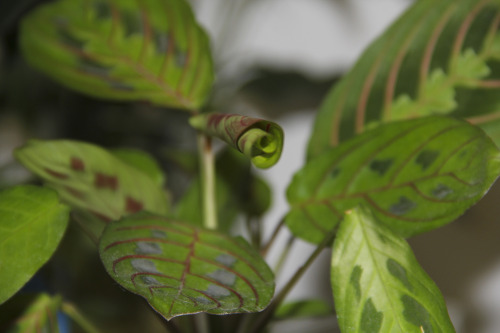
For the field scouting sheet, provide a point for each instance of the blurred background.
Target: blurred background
(274, 59)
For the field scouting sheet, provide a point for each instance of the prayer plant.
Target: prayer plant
(404, 144)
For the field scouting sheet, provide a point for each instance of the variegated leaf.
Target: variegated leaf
(90, 178)
(149, 50)
(416, 175)
(440, 57)
(183, 269)
(378, 285)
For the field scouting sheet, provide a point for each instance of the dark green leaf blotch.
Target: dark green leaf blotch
(371, 319)
(335, 172)
(416, 314)
(426, 158)
(354, 280)
(399, 272)
(403, 206)
(381, 166)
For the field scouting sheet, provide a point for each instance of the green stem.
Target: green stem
(207, 176)
(78, 318)
(284, 254)
(254, 229)
(273, 237)
(268, 313)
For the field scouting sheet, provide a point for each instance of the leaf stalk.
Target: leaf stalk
(268, 313)
(207, 176)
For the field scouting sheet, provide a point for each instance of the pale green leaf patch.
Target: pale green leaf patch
(378, 285)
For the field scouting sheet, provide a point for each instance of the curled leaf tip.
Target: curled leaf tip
(258, 139)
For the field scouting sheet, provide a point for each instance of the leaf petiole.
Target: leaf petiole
(266, 315)
(207, 176)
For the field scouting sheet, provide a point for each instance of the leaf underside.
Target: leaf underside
(148, 50)
(415, 175)
(90, 178)
(32, 223)
(182, 269)
(440, 57)
(378, 285)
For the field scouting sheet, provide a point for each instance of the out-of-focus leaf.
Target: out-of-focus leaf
(237, 190)
(149, 50)
(258, 139)
(416, 175)
(189, 206)
(32, 223)
(258, 200)
(378, 285)
(440, 57)
(186, 160)
(277, 93)
(183, 269)
(303, 309)
(90, 178)
(143, 162)
(40, 316)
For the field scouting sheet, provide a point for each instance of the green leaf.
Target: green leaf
(378, 285)
(183, 269)
(416, 175)
(258, 139)
(303, 309)
(150, 50)
(143, 162)
(90, 178)
(440, 57)
(40, 316)
(32, 223)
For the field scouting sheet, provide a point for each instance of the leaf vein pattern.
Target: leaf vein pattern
(419, 149)
(378, 150)
(431, 46)
(396, 67)
(462, 33)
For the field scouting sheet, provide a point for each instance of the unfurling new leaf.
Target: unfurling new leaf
(415, 175)
(90, 178)
(378, 285)
(183, 269)
(151, 50)
(258, 139)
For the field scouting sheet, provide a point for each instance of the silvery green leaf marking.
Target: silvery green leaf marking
(186, 270)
